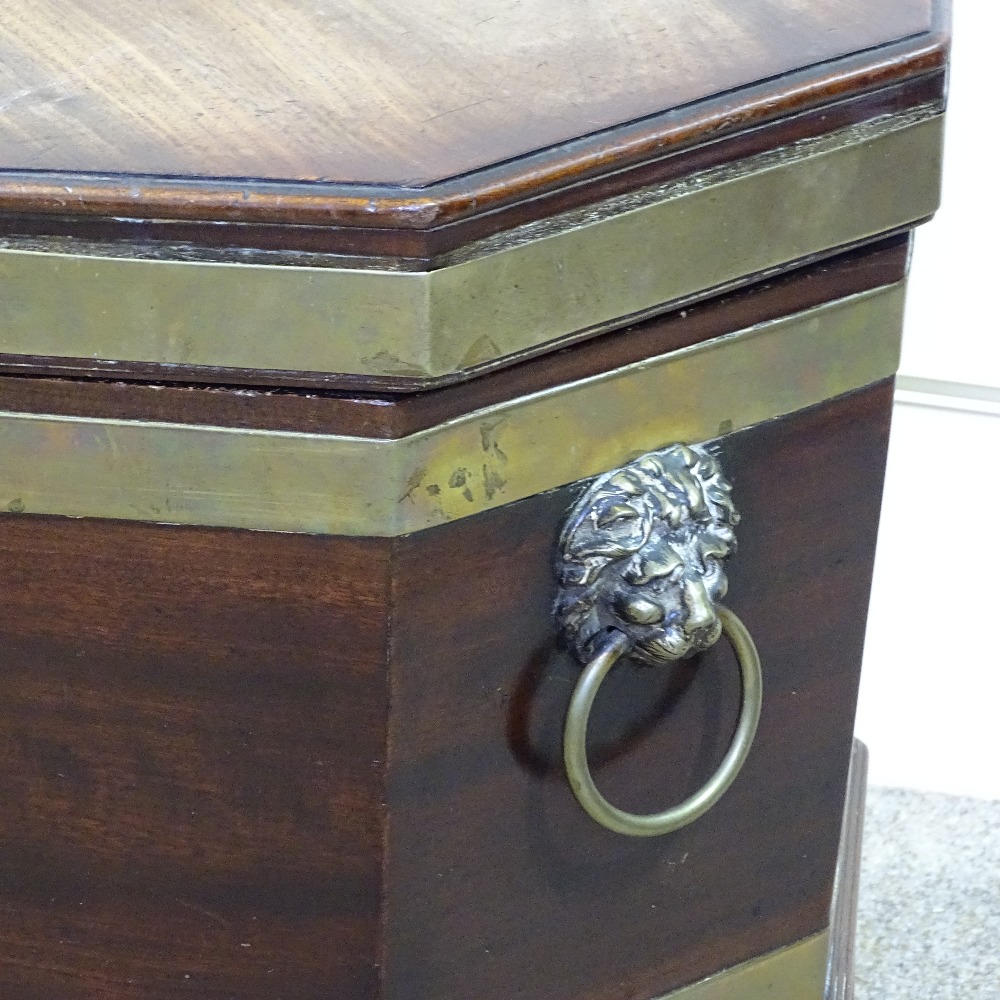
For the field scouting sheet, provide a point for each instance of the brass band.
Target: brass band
(797, 972)
(538, 285)
(331, 484)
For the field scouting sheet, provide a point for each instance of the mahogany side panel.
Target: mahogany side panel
(192, 729)
(498, 885)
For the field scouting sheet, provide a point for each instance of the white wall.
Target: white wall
(930, 693)
(951, 322)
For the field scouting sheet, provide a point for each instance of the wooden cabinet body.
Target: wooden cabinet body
(284, 463)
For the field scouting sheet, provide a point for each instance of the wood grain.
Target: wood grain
(386, 92)
(191, 742)
(241, 764)
(498, 884)
(396, 415)
(258, 111)
(178, 223)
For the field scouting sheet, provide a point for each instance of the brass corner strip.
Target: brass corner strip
(537, 285)
(847, 880)
(339, 485)
(797, 972)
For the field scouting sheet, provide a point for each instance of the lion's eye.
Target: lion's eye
(715, 577)
(641, 611)
(660, 564)
(714, 549)
(616, 514)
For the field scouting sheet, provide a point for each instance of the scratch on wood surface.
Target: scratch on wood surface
(211, 914)
(452, 111)
(58, 84)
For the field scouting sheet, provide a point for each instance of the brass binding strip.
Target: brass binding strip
(796, 972)
(583, 271)
(846, 884)
(332, 484)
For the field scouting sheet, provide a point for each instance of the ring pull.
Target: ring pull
(575, 748)
(640, 569)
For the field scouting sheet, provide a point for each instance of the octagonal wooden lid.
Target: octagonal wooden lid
(410, 138)
(405, 94)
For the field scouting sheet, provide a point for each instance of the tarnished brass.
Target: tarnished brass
(642, 552)
(541, 284)
(331, 484)
(793, 973)
(846, 883)
(575, 749)
(640, 568)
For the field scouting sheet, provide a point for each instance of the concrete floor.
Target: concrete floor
(929, 910)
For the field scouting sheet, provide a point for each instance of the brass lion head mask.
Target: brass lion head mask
(642, 552)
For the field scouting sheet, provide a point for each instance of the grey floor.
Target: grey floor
(929, 911)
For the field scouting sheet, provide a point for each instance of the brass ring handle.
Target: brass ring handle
(575, 735)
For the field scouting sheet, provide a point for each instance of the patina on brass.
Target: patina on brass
(331, 484)
(846, 884)
(792, 973)
(642, 553)
(581, 781)
(542, 284)
(640, 568)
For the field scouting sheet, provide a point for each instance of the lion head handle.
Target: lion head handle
(642, 552)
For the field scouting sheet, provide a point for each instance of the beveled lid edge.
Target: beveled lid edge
(642, 255)
(255, 201)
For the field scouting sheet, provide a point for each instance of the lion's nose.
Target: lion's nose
(698, 604)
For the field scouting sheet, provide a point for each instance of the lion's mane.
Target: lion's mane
(665, 495)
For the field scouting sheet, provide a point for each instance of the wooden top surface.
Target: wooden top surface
(386, 92)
